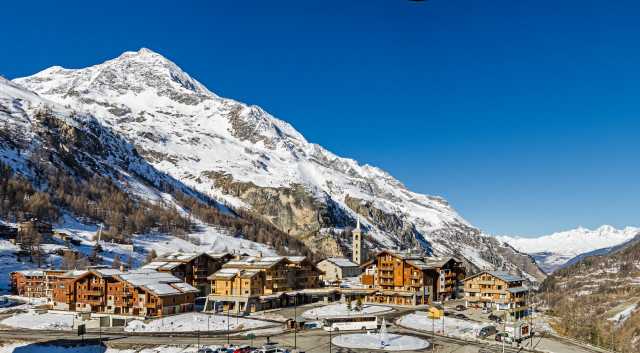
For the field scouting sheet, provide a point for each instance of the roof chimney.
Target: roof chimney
(409, 250)
(399, 248)
(260, 254)
(238, 257)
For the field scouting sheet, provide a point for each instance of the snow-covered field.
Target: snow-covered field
(446, 325)
(37, 348)
(341, 310)
(194, 322)
(47, 321)
(372, 341)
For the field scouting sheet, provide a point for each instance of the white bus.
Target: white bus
(350, 323)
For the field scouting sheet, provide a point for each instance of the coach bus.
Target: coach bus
(350, 323)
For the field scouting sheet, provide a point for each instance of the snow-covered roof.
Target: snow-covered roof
(506, 276)
(296, 259)
(178, 256)
(341, 262)
(107, 272)
(229, 273)
(218, 255)
(31, 273)
(255, 262)
(405, 254)
(161, 289)
(420, 264)
(162, 265)
(185, 287)
(515, 290)
(503, 275)
(73, 273)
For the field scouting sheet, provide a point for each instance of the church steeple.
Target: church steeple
(356, 255)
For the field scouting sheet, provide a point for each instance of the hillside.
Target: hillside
(559, 249)
(598, 295)
(244, 157)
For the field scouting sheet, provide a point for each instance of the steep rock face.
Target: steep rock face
(196, 137)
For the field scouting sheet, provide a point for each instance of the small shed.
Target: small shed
(299, 322)
(436, 312)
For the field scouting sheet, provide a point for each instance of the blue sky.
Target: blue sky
(524, 115)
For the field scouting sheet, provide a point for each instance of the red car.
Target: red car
(242, 349)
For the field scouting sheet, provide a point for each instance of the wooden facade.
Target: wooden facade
(192, 268)
(258, 279)
(407, 278)
(141, 292)
(501, 290)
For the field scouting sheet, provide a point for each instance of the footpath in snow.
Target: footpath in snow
(341, 310)
(373, 341)
(194, 322)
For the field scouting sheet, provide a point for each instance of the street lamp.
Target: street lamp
(295, 323)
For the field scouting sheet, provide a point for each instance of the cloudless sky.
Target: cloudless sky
(524, 115)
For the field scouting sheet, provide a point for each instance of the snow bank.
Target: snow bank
(372, 341)
(341, 310)
(194, 322)
(446, 325)
(47, 321)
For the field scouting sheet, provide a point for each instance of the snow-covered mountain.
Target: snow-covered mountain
(244, 157)
(555, 250)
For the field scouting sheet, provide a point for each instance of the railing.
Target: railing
(472, 290)
(124, 294)
(385, 268)
(93, 302)
(490, 282)
(92, 292)
(385, 275)
(151, 305)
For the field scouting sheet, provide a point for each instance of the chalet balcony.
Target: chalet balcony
(91, 292)
(490, 283)
(385, 275)
(472, 290)
(415, 284)
(93, 302)
(124, 294)
(151, 305)
(385, 268)
(122, 303)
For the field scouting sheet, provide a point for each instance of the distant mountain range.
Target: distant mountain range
(565, 248)
(152, 123)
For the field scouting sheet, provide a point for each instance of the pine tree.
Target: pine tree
(116, 262)
(68, 260)
(348, 305)
(129, 263)
(358, 304)
(150, 256)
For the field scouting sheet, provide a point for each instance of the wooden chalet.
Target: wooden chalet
(500, 290)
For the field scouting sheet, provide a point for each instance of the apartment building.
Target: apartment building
(500, 290)
(409, 278)
(192, 267)
(28, 283)
(253, 283)
(142, 292)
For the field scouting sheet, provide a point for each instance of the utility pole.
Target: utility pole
(504, 331)
(530, 319)
(295, 323)
(228, 310)
(433, 331)
(100, 333)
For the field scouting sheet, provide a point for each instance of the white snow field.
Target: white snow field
(553, 251)
(25, 347)
(372, 341)
(453, 327)
(341, 310)
(47, 321)
(194, 322)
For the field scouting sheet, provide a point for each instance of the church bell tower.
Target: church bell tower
(357, 244)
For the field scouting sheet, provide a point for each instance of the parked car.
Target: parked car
(460, 307)
(487, 331)
(487, 310)
(205, 350)
(507, 338)
(221, 350)
(495, 318)
(242, 349)
(462, 317)
(271, 349)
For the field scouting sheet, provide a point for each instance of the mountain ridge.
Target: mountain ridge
(556, 250)
(243, 156)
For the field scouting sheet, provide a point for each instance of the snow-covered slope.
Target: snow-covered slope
(244, 157)
(553, 251)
